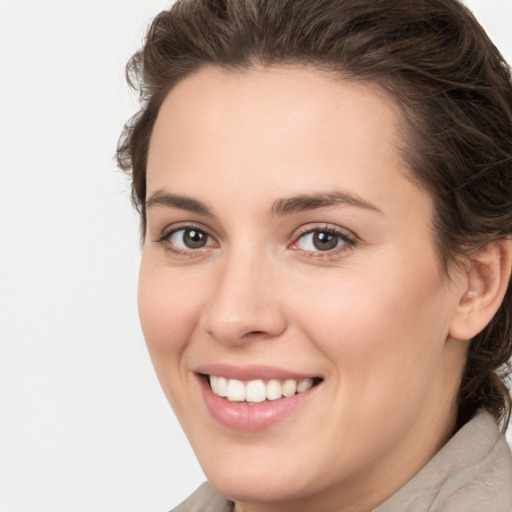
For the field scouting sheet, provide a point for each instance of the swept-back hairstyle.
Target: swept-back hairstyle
(432, 57)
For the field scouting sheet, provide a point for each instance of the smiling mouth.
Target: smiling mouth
(257, 391)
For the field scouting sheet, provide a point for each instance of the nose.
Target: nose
(244, 305)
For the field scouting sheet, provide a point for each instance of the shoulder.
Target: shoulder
(204, 499)
(472, 472)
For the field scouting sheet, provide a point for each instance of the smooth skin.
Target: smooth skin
(234, 272)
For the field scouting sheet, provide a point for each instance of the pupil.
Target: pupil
(325, 241)
(194, 239)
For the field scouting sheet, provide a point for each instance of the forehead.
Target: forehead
(286, 129)
(222, 101)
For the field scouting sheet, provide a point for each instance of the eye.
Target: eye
(189, 238)
(323, 241)
(319, 241)
(186, 241)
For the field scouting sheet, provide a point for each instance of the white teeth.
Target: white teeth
(236, 390)
(256, 391)
(304, 385)
(222, 385)
(219, 385)
(274, 390)
(289, 388)
(214, 384)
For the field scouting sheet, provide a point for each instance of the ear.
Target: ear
(483, 288)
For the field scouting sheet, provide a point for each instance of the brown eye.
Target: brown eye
(189, 238)
(324, 241)
(194, 239)
(320, 241)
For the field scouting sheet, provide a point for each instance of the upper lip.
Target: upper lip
(251, 372)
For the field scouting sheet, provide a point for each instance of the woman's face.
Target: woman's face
(286, 246)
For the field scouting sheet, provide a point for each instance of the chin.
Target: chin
(266, 473)
(262, 486)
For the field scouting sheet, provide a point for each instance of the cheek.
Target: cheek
(384, 339)
(168, 312)
(380, 327)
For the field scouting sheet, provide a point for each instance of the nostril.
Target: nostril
(254, 334)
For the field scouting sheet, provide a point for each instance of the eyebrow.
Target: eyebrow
(161, 198)
(304, 202)
(282, 206)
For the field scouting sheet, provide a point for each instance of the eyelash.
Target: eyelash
(165, 237)
(346, 239)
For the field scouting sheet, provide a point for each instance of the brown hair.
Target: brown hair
(436, 61)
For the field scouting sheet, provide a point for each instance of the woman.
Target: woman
(325, 191)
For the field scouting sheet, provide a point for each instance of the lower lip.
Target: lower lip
(252, 418)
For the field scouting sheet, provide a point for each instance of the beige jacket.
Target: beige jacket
(471, 473)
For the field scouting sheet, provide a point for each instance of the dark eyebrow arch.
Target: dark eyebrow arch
(161, 198)
(303, 202)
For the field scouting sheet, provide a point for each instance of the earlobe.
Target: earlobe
(487, 278)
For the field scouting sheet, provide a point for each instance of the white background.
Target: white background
(83, 423)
